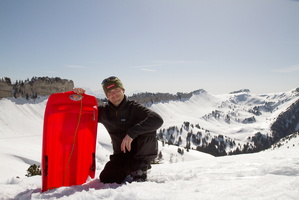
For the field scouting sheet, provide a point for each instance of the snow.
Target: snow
(271, 174)
(199, 109)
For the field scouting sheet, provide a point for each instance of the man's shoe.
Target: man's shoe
(139, 176)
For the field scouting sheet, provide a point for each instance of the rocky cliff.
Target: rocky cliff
(41, 86)
(287, 122)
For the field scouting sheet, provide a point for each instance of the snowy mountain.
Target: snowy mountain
(239, 122)
(270, 174)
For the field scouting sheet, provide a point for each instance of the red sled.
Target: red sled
(69, 140)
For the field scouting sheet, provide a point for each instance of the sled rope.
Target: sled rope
(75, 138)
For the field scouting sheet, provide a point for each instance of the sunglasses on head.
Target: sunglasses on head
(111, 78)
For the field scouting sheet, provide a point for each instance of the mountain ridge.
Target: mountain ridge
(233, 123)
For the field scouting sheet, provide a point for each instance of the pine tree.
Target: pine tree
(33, 170)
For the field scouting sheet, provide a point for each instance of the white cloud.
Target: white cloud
(148, 68)
(76, 66)
(290, 69)
(178, 61)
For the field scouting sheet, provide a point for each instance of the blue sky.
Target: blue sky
(155, 45)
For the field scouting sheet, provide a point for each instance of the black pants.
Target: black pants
(143, 150)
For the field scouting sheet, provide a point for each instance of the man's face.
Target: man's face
(115, 96)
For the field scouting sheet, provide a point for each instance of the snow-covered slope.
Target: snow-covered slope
(21, 124)
(238, 115)
(211, 111)
(272, 174)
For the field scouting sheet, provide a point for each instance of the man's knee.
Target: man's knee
(146, 146)
(113, 172)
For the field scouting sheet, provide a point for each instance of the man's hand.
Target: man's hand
(79, 90)
(126, 144)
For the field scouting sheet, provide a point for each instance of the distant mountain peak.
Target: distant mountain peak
(241, 91)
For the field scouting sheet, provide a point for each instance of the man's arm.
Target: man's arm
(150, 122)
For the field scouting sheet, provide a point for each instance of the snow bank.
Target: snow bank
(272, 174)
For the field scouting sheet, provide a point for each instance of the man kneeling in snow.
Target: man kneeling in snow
(132, 128)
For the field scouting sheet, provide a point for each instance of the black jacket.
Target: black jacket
(130, 118)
